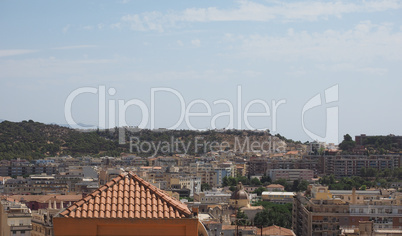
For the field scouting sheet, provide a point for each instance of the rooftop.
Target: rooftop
(278, 193)
(276, 230)
(127, 196)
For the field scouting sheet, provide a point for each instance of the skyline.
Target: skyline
(273, 50)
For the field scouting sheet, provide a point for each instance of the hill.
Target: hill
(32, 140)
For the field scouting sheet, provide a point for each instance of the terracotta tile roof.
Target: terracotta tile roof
(275, 186)
(276, 230)
(127, 196)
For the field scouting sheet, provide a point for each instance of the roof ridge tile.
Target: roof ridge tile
(127, 196)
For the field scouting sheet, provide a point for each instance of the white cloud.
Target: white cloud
(251, 11)
(115, 26)
(14, 52)
(196, 42)
(88, 27)
(363, 43)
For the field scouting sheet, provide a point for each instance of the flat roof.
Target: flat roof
(278, 193)
(360, 192)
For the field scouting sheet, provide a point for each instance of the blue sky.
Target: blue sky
(205, 50)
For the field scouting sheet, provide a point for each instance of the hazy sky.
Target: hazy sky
(269, 51)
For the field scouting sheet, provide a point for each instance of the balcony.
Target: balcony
(21, 227)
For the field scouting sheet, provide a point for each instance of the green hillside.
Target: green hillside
(32, 140)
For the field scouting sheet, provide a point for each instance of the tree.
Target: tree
(205, 187)
(259, 191)
(274, 214)
(302, 186)
(284, 183)
(241, 217)
(255, 182)
(265, 179)
(347, 144)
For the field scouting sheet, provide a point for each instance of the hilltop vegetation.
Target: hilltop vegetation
(33, 140)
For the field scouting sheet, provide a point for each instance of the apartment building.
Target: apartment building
(278, 197)
(41, 184)
(351, 165)
(324, 212)
(258, 166)
(207, 177)
(290, 174)
(220, 173)
(15, 219)
(212, 197)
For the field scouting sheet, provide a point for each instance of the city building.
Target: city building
(322, 211)
(15, 219)
(278, 197)
(275, 187)
(128, 205)
(239, 197)
(291, 174)
(351, 165)
(212, 197)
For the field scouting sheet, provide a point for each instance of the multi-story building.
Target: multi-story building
(221, 173)
(24, 169)
(207, 177)
(351, 165)
(324, 212)
(278, 197)
(290, 174)
(15, 219)
(42, 222)
(211, 197)
(258, 166)
(40, 184)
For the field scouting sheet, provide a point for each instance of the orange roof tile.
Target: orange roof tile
(127, 196)
(276, 230)
(275, 186)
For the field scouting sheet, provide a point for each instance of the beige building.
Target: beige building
(239, 197)
(278, 197)
(15, 219)
(325, 212)
(366, 228)
(212, 197)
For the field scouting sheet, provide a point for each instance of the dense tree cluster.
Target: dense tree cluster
(369, 178)
(296, 186)
(274, 214)
(347, 144)
(32, 140)
(373, 144)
